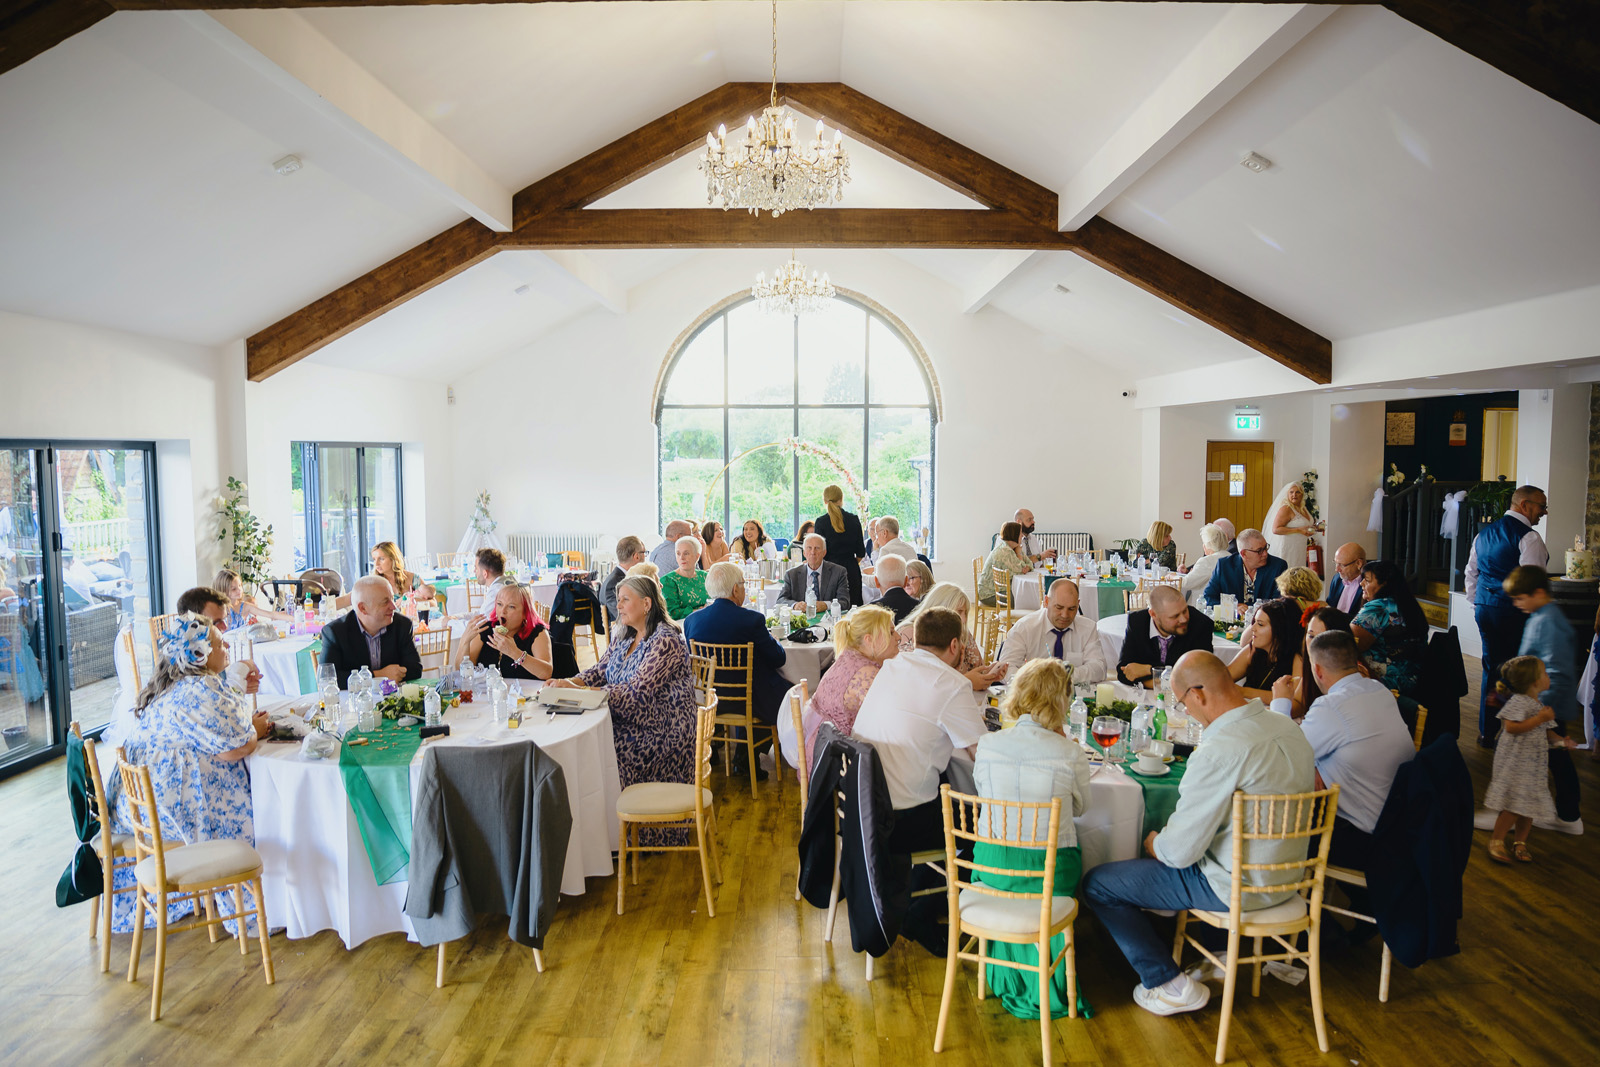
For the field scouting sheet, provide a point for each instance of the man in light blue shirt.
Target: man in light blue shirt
(1246, 747)
(1357, 738)
(665, 555)
(1550, 636)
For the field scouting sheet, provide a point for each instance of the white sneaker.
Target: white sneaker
(1192, 996)
(1575, 827)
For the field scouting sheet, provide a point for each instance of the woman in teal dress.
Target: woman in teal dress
(1033, 762)
(1390, 630)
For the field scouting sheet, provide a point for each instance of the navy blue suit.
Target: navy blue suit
(722, 622)
(1336, 586)
(1229, 578)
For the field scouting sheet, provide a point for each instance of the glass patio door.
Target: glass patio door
(78, 564)
(25, 627)
(357, 504)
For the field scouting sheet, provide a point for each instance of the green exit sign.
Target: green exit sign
(1247, 422)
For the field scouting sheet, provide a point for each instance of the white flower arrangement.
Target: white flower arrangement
(1396, 477)
(852, 486)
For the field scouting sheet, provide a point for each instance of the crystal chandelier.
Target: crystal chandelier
(790, 292)
(770, 170)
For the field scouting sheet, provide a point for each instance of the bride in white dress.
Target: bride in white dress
(1288, 525)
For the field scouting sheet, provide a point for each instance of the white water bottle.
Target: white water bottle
(811, 602)
(432, 707)
(1078, 718)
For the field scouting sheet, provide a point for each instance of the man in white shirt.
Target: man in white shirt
(1030, 549)
(1057, 631)
(887, 538)
(1246, 747)
(919, 711)
(1357, 738)
(1214, 545)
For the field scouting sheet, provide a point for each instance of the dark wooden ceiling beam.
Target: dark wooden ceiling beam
(1213, 302)
(411, 273)
(31, 27)
(822, 228)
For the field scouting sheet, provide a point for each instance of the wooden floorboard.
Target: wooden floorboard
(666, 985)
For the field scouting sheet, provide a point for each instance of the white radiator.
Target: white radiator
(531, 546)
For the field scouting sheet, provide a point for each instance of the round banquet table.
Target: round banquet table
(315, 871)
(279, 664)
(1111, 828)
(1114, 630)
(806, 662)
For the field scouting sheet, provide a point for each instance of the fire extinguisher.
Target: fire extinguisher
(1314, 557)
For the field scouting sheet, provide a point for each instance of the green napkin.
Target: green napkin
(377, 779)
(1110, 594)
(1160, 793)
(306, 669)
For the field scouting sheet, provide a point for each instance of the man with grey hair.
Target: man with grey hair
(371, 635)
(630, 550)
(1214, 544)
(665, 555)
(1227, 528)
(890, 578)
(1250, 576)
(887, 537)
(725, 621)
(825, 579)
(1357, 738)
(1497, 550)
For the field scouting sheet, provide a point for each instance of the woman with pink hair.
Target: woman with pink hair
(513, 638)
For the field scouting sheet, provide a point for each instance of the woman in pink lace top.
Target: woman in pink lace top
(862, 640)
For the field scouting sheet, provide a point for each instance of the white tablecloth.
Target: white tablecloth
(806, 662)
(1025, 588)
(1111, 828)
(316, 875)
(278, 663)
(1115, 629)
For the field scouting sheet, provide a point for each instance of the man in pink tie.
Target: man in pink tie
(1344, 588)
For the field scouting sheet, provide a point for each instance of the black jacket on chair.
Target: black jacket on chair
(344, 644)
(1420, 849)
(1139, 647)
(875, 883)
(576, 604)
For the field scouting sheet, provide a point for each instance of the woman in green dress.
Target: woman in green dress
(1158, 546)
(684, 589)
(1005, 556)
(1033, 762)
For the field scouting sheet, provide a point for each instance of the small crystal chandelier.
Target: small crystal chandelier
(770, 170)
(790, 292)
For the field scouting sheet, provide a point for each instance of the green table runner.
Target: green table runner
(1111, 597)
(377, 779)
(306, 669)
(1160, 793)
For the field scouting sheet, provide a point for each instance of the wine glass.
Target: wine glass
(1107, 731)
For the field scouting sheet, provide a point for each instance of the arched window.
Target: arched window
(847, 378)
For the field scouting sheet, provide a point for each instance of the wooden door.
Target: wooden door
(1239, 482)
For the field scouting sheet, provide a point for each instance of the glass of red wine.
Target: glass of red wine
(1107, 731)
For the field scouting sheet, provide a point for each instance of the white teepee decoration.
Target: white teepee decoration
(480, 529)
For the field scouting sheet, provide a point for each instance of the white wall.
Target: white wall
(1553, 453)
(1352, 471)
(1027, 423)
(309, 401)
(66, 381)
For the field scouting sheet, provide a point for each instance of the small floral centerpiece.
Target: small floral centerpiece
(1396, 477)
(400, 700)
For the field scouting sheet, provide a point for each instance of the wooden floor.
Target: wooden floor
(664, 984)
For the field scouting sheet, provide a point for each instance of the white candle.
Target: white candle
(1104, 694)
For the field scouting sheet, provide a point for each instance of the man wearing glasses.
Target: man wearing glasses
(1344, 590)
(1250, 576)
(1498, 550)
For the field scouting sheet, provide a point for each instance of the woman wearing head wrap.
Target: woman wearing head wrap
(193, 730)
(847, 546)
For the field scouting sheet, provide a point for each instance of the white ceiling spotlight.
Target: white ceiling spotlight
(523, 290)
(1255, 162)
(1063, 290)
(287, 165)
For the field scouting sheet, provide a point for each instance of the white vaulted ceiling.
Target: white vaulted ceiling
(1410, 181)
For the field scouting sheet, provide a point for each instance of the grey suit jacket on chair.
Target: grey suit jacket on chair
(835, 585)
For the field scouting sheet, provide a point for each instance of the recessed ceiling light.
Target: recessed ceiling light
(523, 290)
(1062, 289)
(287, 165)
(1255, 162)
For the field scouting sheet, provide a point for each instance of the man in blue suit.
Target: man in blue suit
(725, 621)
(1251, 576)
(1500, 548)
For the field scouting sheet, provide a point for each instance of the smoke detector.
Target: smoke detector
(287, 165)
(1255, 162)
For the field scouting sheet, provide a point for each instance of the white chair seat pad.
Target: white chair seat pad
(1292, 910)
(203, 861)
(1010, 915)
(121, 844)
(659, 798)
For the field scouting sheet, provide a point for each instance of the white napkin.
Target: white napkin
(1452, 513)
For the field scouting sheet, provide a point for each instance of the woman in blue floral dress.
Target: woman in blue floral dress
(1390, 629)
(193, 731)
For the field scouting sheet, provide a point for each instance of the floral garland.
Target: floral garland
(793, 445)
(1308, 487)
(481, 521)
